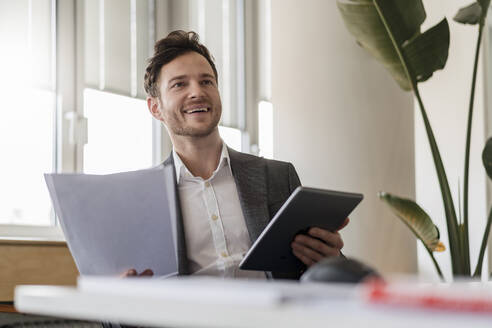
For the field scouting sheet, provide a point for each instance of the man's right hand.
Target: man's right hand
(134, 273)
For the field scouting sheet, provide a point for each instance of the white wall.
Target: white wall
(345, 124)
(446, 98)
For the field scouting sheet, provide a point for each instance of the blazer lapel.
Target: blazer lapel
(250, 176)
(181, 255)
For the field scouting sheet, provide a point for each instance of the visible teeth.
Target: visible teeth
(197, 110)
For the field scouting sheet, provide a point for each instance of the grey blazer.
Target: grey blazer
(263, 186)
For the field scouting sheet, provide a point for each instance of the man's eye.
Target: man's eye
(177, 85)
(207, 82)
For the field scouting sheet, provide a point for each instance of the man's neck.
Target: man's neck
(200, 155)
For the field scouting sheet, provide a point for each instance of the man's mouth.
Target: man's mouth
(197, 110)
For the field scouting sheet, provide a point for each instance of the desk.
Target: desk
(7, 308)
(154, 304)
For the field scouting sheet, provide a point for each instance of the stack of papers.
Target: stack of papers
(120, 221)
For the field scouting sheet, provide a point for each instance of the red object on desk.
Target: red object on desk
(461, 300)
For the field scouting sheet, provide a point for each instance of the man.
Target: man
(226, 197)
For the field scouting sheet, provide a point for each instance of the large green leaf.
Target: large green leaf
(487, 157)
(474, 13)
(425, 53)
(416, 219)
(363, 22)
(470, 14)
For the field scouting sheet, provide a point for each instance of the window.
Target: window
(232, 137)
(28, 151)
(265, 129)
(119, 133)
(75, 100)
(28, 103)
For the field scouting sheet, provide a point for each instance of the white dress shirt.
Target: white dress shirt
(215, 232)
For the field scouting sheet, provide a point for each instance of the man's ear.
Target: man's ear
(154, 108)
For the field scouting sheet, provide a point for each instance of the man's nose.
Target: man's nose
(195, 90)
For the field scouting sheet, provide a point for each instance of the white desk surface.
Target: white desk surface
(242, 304)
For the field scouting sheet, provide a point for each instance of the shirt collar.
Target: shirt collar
(182, 170)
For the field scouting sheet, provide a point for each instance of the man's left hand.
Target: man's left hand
(318, 244)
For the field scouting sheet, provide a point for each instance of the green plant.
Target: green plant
(390, 31)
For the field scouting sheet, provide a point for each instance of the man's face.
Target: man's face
(189, 103)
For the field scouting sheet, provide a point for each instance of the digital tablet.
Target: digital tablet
(305, 208)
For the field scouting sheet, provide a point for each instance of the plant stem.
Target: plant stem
(451, 220)
(452, 224)
(465, 236)
(478, 269)
(438, 269)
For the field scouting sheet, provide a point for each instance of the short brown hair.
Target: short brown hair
(177, 43)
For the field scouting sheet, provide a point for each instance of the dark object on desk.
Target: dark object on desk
(304, 209)
(339, 269)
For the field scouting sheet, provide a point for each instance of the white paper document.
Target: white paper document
(118, 221)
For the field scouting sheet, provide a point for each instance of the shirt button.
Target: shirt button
(223, 254)
(207, 184)
(214, 217)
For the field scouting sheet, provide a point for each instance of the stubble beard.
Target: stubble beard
(193, 132)
(187, 131)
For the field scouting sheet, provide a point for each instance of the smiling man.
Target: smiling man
(226, 197)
